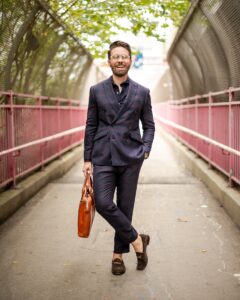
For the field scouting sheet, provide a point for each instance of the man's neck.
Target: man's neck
(119, 80)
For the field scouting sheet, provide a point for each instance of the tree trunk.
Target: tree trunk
(48, 60)
(16, 42)
(65, 84)
(83, 73)
(26, 86)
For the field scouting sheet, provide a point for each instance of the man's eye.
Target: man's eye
(123, 57)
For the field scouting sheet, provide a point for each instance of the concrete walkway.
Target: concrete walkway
(194, 252)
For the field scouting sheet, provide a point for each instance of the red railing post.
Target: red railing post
(71, 120)
(181, 120)
(58, 127)
(188, 124)
(39, 103)
(210, 100)
(11, 138)
(196, 121)
(230, 130)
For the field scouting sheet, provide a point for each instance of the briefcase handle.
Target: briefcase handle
(88, 185)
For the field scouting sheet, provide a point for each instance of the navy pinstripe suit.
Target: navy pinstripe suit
(114, 145)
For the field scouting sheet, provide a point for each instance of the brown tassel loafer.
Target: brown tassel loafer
(142, 258)
(118, 267)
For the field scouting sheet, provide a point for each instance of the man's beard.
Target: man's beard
(120, 72)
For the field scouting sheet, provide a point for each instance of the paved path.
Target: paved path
(194, 252)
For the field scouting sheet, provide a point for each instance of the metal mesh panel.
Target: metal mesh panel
(38, 55)
(218, 121)
(23, 123)
(224, 18)
(208, 48)
(176, 82)
(181, 76)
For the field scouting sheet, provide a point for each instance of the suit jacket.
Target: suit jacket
(112, 135)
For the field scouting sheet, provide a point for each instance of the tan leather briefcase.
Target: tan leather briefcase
(86, 210)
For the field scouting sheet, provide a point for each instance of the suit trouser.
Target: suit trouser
(105, 180)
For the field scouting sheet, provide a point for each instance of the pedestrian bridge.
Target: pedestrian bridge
(188, 197)
(194, 248)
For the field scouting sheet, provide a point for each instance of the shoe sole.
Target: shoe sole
(118, 273)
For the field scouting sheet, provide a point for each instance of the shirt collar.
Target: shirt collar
(126, 82)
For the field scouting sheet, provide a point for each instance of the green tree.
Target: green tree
(95, 22)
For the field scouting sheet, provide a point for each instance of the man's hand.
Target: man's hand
(146, 154)
(87, 168)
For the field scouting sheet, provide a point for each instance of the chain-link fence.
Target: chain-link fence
(38, 54)
(205, 55)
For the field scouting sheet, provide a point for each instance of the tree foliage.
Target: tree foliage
(95, 22)
(37, 55)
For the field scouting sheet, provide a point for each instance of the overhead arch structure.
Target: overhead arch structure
(207, 45)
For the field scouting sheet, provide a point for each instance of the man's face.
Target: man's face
(119, 61)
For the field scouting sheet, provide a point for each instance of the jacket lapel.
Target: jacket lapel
(129, 99)
(113, 101)
(111, 97)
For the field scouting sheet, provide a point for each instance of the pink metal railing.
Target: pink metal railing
(209, 125)
(35, 130)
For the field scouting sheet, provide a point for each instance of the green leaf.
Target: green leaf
(95, 22)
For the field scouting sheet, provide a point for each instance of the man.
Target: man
(114, 151)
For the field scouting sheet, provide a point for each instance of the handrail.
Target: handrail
(38, 97)
(211, 94)
(201, 136)
(43, 140)
(209, 128)
(58, 126)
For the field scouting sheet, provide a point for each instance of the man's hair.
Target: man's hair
(119, 44)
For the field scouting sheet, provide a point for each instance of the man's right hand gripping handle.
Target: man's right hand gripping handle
(87, 168)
